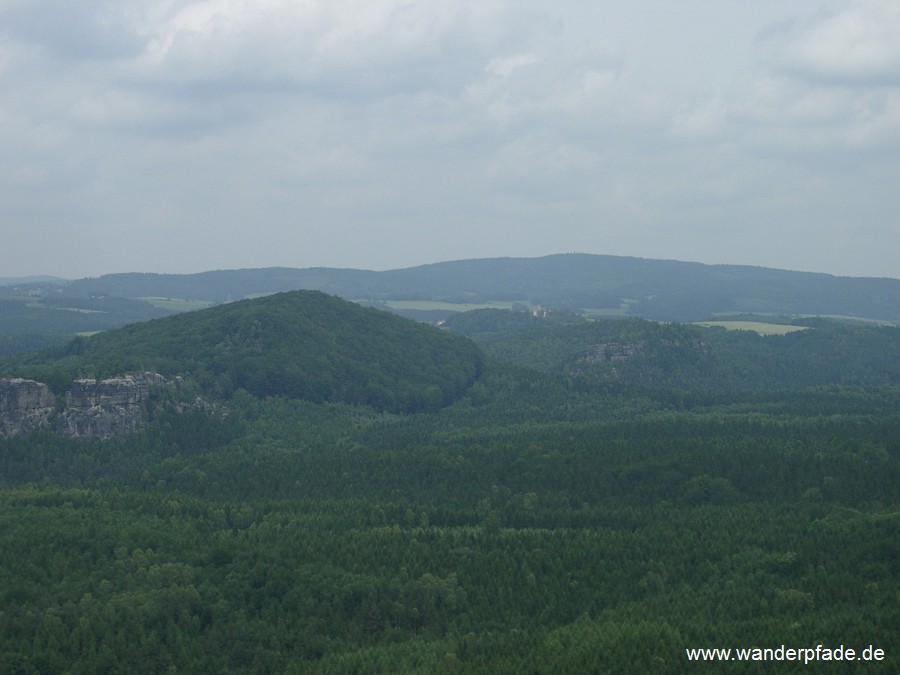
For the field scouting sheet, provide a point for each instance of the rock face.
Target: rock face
(25, 405)
(92, 410)
(105, 408)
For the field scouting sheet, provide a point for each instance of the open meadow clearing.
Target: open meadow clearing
(755, 326)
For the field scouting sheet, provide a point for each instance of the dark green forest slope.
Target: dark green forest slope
(687, 357)
(545, 519)
(301, 344)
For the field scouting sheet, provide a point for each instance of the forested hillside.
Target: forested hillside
(364, 494)
(302, 344)
(689, 357)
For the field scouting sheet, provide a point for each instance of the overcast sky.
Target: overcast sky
(182, 136)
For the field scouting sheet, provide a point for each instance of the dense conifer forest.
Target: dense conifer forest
(358, 493)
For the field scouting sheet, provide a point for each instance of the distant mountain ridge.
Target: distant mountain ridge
(40, 314)
(657, 289)
(39, 279)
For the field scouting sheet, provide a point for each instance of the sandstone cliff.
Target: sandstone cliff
(105, 408)
(93, 409)
(25, 405)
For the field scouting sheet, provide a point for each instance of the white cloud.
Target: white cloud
(877, 124)
(701, 122)
(830, 83)
(583, 93)
(860, 44)
(96, 30)
(332, 43)
(771, 99)
(505, 65)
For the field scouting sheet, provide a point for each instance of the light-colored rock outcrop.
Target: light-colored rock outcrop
(93, 409)
(25, 405)
(105, 408)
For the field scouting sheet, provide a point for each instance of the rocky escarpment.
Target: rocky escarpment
(642, 360)
(25, 405)
(93, 408)
(105, 408)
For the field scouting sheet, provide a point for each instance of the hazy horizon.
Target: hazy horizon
(36, 277)
(181, 136)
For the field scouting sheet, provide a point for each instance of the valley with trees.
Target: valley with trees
(332, 488)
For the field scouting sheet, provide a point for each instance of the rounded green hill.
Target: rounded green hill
(299, 344)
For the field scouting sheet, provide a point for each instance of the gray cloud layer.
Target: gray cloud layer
(178, 136)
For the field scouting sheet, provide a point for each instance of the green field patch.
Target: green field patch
(781, 318)
(755, 326)
(448, 306)
(254, 296)
(177, 304)
(599, 312)
(81, 310)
